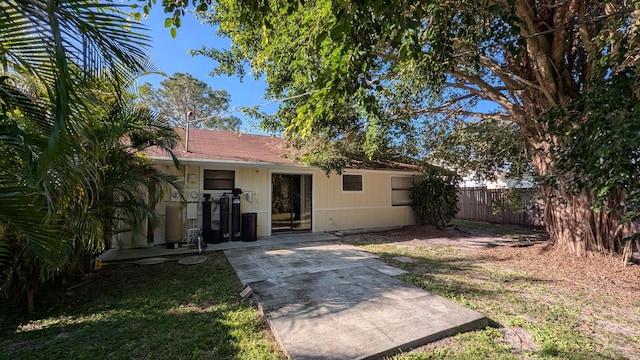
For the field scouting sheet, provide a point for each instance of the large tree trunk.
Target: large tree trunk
(575, 227)
(552, 62)
(572, 222)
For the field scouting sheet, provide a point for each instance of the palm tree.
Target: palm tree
(126, 188)
(50, 175)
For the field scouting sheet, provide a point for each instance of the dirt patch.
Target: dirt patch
(527, 252)
(466, 240)
(601, 275)
(605, 275)
(519, 339)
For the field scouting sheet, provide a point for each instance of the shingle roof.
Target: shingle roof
(215, 145)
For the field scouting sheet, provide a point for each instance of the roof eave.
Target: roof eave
(227, 162)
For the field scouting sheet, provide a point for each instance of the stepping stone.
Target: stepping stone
(389, 270)
(192, 260)
(403, 259)
(151, 261)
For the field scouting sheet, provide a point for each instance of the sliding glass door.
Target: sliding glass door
(290, 202)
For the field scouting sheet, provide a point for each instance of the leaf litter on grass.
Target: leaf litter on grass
(543, 302)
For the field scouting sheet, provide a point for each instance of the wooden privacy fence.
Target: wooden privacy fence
(490, 205)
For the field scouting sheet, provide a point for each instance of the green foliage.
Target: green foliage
(105, 183)
(369, 56)
(597, 143)
(58, 42)
(125, 187)
(484, 150)
(352, 149)
(181, 96)
(68, 138)
(515, 199)
(435, 198)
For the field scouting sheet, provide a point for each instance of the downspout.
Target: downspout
(184, 189)
(186, 141)
(188, 115)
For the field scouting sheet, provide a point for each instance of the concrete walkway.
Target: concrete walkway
(327, 300)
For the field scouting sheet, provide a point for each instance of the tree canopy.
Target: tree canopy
(409, 71)
(182, 96)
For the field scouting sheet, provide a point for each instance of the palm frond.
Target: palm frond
(15, 99)
(45, 38)
(22, 219)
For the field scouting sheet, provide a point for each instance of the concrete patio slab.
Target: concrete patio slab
(333, 301)
(284, 260)
(119, 254)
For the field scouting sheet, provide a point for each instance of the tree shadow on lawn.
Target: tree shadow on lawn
(133, 311)
(121, 334)
(438, 261)
(454, 277)
(464, 234)
(445, 270)
(502, 296)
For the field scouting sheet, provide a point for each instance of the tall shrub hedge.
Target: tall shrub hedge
(435, 198)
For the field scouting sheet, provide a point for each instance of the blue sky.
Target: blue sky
(171, 56)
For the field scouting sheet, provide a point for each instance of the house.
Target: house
(284, 195)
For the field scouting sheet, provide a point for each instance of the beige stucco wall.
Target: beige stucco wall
(333, 208)
(256, 180)
(253, 180)
(336, 209)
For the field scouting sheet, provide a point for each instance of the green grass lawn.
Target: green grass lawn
(128, 311)
(533, 314)
(506, 298)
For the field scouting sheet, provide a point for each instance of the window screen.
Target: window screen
(400, 189)
(219, 179)
(351, 182)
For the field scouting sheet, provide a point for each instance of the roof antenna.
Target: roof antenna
(189, 114)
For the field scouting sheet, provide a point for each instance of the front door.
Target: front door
(290, 202)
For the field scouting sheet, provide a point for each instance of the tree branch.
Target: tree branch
(509, 78)
(469, 114)
(487, 91)
(456, 100)
(537, 51)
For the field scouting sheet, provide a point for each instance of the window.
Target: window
(351, 182)
(219, 179)
(400, 190)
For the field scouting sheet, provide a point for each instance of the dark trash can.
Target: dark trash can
(215, 237)
(206, 218)
(249, 225)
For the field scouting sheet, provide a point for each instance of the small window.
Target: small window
(351, 182)
(400, 189)
(219, 179)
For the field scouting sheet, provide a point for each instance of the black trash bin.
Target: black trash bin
(215, 236)
(249, 225)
